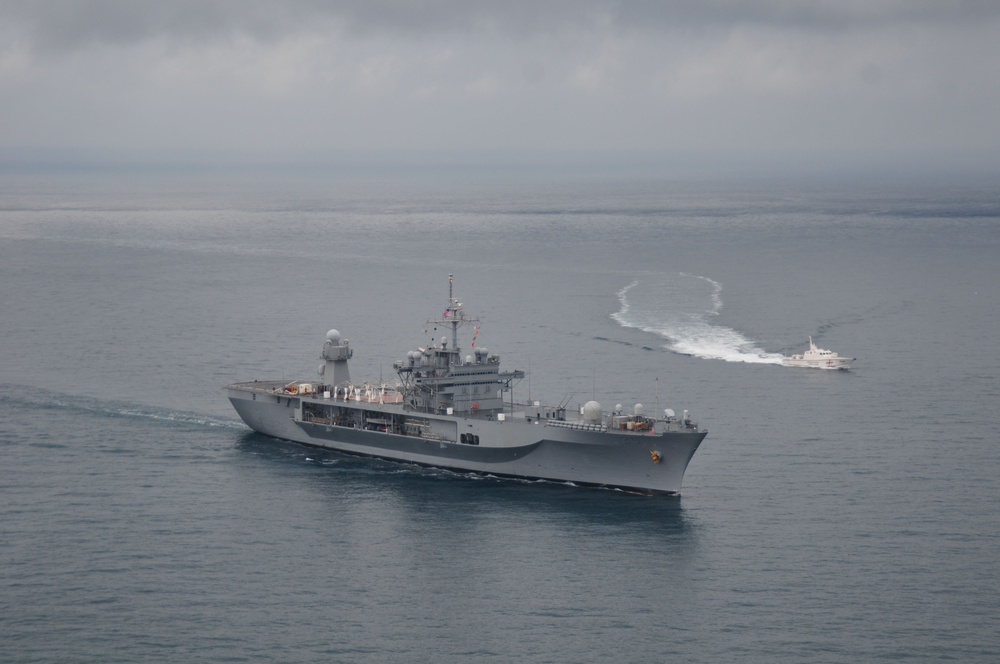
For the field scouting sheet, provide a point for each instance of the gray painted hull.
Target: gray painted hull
(646, 462)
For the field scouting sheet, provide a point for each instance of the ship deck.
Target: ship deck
(372, 399)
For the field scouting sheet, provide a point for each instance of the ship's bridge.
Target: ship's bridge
(438, 378)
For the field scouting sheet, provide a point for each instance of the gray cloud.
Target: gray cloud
(446, 74)
(65, 25)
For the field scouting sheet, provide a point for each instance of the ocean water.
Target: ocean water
(829, 516)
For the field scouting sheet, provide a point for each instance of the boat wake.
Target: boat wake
(34, 397)
(681, 310)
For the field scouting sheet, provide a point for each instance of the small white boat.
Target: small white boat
(818, 358)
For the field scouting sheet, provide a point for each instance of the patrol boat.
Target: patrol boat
(448, 411)
(818, 358)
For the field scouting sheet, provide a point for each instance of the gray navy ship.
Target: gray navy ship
(448, 411)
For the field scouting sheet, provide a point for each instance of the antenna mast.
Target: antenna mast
(454, 311)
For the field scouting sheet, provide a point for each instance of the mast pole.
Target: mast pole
(454, 314)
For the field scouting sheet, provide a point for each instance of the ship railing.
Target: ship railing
(367, 393)
(579, 426)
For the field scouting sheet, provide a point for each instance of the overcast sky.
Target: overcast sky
(566, 75)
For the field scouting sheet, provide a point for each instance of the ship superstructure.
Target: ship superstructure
(437, 379)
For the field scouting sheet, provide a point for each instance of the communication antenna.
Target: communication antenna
(529, 380)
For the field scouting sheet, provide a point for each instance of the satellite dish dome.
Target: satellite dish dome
(618, 408)
(639, 409)
(333, 336)
(468, 359)
(669, 412)
(592, 412)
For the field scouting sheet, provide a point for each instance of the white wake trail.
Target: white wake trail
(680, 310)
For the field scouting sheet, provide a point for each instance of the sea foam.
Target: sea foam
(680, 309)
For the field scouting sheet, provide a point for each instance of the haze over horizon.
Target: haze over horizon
(885, 79)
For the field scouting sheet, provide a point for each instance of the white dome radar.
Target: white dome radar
(592, 412)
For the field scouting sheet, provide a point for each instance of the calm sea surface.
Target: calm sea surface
(829, 516)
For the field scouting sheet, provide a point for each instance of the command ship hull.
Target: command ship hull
(448, 412)
(644, 462)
